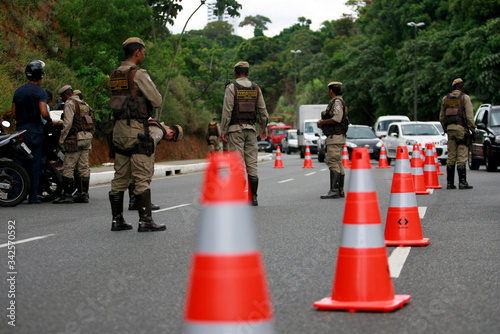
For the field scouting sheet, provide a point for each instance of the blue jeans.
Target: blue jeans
(35, 143)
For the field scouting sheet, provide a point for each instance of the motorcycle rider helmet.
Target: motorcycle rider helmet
(35, 70)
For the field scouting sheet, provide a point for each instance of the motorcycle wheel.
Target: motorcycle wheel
(50, 185)
(14, 183)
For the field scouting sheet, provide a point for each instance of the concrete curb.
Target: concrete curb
(162, 170)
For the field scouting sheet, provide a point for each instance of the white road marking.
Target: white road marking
(397, 260)
(310, 173)
(27, 240)
(322, 170)
(172, 207)
(431, 191)
(287, 180)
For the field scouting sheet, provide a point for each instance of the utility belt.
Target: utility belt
(146, 146)
(71, 144)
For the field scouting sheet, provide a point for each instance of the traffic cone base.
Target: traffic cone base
(385, 306)
(403, 228)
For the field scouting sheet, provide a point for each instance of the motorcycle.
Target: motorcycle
(14, 180)
(50, 184)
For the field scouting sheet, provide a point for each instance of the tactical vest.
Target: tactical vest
(126, 101)
(454, 109)
(337, 128)
(245, 104)
(83, 119)
(212, 129)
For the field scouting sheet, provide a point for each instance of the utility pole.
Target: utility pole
(416, 25)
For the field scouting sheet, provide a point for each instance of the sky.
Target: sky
(282, 13)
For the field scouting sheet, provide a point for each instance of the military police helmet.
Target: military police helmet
(35, 70)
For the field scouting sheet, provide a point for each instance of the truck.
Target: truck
(276, 132)
(307, 129)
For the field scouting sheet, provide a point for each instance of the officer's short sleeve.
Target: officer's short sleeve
(147, 87)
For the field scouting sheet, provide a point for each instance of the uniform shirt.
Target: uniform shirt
(469, 115)
(143, 82)
(229, 104)
(69, 114)
(337, 109)
(26, 98)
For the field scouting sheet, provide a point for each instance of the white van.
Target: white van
(382, 123)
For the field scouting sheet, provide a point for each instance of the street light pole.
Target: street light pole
(415, 25)
(295, 90)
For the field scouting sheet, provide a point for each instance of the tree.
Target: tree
(258, 22)
(305, 22)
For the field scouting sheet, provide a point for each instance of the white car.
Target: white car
(290, 142)
(383, 122)
(410, 133)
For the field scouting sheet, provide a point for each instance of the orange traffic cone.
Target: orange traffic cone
(345, 157)
(278, 163)
(362, 280)
(430, 173)
(227, 288)
(307, 159)
(402, 226)
(436, 160)
(382, 161)
(417, 172)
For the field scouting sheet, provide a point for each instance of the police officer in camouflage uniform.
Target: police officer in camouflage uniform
(76, 135)
(133, 97)
(243, 103)
(213, 135)
(457, 118)
(334, 123)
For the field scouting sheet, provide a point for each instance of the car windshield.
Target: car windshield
(439, 126)
(495, 117)
(279, 131)
(383, 125)
(311, 127)
(292, 135)
(419, 130)
(360, 133)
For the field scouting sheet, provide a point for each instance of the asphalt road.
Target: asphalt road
(83, 278)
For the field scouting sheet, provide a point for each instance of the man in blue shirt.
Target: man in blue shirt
(29, 102)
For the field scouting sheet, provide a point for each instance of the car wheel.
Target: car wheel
(473, 163)
(490, 165)
(302, 152)
(321, 156)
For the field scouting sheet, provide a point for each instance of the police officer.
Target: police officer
(76, 135)
(133, 97)
(334, 123)
(28, 103)
(213, 135)
(457, 118)
(243, 103)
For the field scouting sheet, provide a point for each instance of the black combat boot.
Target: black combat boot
(78, 186)
(67, 192)
(118, 223)
(146, 222)
(462, 178)
(132, 203)
(450, 173)
(334, 187)
(253, 181)
(82, 195)
(341, 185)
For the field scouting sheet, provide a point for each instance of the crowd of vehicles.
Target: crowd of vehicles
(382, 123)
